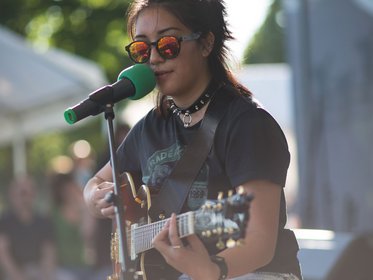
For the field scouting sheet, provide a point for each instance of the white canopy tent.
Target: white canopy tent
(35, 90)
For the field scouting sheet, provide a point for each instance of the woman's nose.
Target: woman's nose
(155, 57)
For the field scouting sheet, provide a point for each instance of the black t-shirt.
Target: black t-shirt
(248, 145)
(26, 240)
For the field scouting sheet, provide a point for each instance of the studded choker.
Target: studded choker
(196, 106)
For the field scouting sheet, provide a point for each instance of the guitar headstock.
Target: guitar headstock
(224, 221)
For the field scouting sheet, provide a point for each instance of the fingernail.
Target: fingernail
(167, 224)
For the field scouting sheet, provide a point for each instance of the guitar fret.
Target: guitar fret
(179, 222)
(142, 236)
(202, 222)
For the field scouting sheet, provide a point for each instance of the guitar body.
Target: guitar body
(134, 212)
(222, 222)
(154, 267)
(150, 264)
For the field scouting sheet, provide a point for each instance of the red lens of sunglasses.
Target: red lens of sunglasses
(139, 51)
(168, 47)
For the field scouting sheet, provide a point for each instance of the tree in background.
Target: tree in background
(267, 45)
(94, 29)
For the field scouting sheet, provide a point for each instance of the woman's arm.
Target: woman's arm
(95, 191)
(258, 248)
(261, 233)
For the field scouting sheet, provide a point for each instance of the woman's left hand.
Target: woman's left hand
(192, 259)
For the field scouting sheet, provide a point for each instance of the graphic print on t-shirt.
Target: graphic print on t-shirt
(198, 192)
(160, 165)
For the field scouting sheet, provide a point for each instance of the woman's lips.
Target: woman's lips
(161, 75)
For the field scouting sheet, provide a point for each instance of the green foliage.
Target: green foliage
(44, 147)
(94, 29)
(267, 45)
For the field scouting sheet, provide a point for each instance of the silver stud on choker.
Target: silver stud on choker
(196, 106)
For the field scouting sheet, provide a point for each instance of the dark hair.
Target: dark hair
(199, 16)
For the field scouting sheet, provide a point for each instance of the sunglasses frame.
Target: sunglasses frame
(190, 37)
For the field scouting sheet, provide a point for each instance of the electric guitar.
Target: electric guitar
(221, 222)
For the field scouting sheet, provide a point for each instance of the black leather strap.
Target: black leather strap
(175, 189)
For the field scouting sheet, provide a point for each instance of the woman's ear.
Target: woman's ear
(207, 44)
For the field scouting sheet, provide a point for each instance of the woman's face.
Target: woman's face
(187, 74)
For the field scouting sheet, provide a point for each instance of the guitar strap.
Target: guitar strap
(175, 188)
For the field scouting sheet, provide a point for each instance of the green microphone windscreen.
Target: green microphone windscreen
(142, 78)
(134, 82)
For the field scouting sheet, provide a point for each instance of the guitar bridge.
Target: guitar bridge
(114, 249)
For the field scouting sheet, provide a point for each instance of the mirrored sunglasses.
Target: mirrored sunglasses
(168, 47)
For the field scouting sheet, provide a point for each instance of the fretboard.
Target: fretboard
(141, 237)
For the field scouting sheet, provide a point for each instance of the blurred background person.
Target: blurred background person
(27, 249)
(73, 229)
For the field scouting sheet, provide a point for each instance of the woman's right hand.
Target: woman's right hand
(96, 194)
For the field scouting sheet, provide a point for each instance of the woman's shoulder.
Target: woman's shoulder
(245, 110)
(241, 103)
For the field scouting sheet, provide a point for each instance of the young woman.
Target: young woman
(183, 41)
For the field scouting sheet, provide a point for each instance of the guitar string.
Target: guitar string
(144, 235)
(141, 242)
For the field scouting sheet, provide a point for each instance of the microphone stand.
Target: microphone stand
(128, 267)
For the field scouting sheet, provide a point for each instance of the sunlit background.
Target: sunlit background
(308, 62)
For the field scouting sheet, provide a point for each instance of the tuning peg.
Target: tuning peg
(218, 206)
(240, 190)
(220, 245)
(219, 230)
(230, 230)
(206, 233)
(230, 243)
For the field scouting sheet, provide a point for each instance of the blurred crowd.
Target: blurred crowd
(59, 241)
(57, 244)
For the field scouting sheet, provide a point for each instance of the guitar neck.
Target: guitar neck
(141, 236)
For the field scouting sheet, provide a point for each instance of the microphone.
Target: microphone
(134, 83)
